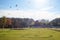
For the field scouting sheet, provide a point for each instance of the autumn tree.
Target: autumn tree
(4, 20)
(9, 23)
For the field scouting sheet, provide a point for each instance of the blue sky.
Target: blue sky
(36, 9)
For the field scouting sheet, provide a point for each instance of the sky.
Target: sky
(35, 9)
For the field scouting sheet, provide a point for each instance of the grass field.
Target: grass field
(29, 34)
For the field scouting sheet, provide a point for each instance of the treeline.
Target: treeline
(26, 22)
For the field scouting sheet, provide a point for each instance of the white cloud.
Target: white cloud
(37, 3)
(47, 8)
(29, 14)
(39, 11)
(40, 3)
(43, 13)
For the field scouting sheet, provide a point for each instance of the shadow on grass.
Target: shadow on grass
(57, 30)
(18, 29)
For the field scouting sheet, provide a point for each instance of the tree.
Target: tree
(9, 23)
(4, 20)
(55, 22)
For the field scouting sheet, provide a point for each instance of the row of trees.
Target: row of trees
(5, 22)
(15, 22)
(26, 22)
(55, 23)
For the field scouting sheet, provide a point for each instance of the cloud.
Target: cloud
(29, 14)
(47, 8)
(36, 9)
(38, 3)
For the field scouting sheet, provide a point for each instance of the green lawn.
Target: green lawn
(29, 34)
